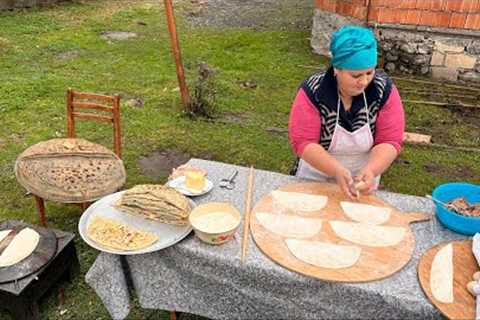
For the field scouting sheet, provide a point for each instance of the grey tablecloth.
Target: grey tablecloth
(211, 281)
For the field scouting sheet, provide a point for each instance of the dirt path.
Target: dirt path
(256, 14)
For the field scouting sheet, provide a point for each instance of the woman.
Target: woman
(347, 124)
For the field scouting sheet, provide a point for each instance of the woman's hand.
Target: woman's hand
(344, 180)
(365, 181)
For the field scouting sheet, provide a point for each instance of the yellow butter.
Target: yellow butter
(194, 180)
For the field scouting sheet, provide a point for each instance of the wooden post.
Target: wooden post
(176, 52)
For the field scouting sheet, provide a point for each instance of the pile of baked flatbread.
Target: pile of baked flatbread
(70, 170)
(155, 202)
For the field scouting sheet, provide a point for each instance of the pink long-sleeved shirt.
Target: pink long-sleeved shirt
(305, 123)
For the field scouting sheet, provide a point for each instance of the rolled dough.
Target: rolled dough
(22, 245)
(441, 275)
(368, 235)
(365, 213)
(289, 226)
(298, 201)
(323, 254)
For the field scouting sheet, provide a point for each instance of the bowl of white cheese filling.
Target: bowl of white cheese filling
(215, 222)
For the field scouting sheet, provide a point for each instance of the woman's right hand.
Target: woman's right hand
(344, 180)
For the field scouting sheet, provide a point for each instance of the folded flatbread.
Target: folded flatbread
(113, 234)
(21, 246)
(289, 226)
(368, 235)
(155, 202)
(324, 254)
(365, 213)
(441, 275)
(299, 201)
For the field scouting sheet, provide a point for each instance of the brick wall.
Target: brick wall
(457, 14)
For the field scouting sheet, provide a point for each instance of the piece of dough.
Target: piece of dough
(368, 235)
(289, 226)
(298, 201)
(4, 234)
(324, 254)
(441, 275)
(365, 213)
(21, 246)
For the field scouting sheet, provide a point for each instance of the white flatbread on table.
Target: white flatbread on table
(324, 254)
(21, 246)
(113, 234)
(365, 213)
(4, 234)
(368, 235)
(299, 201)
(441, 275)
(289, 226)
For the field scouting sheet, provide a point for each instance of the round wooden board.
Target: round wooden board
(70, 170)
(464, 266)
(374, 262)
(43, 253)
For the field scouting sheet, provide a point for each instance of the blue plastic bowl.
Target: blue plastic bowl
(454, 221)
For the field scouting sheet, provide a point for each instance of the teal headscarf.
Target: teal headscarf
(353, 48)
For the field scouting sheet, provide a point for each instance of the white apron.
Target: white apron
(351, 149)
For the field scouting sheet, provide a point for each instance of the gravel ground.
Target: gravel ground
(255, 14)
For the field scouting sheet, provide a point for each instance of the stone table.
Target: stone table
(211, 281)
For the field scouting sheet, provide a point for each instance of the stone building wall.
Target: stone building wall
(440, 38)
(451, 58)
(18, 4)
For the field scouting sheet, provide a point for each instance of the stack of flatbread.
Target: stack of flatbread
(116, 235)
(156, 202)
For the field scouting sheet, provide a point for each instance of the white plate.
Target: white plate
(167, 234)
(179, 185)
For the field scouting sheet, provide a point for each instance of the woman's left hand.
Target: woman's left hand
(368, 178)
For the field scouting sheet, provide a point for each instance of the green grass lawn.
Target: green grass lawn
(45, 51)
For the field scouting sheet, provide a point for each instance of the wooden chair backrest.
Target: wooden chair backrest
(108, 104)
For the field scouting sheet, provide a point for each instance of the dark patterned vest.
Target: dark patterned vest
(321, 89)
